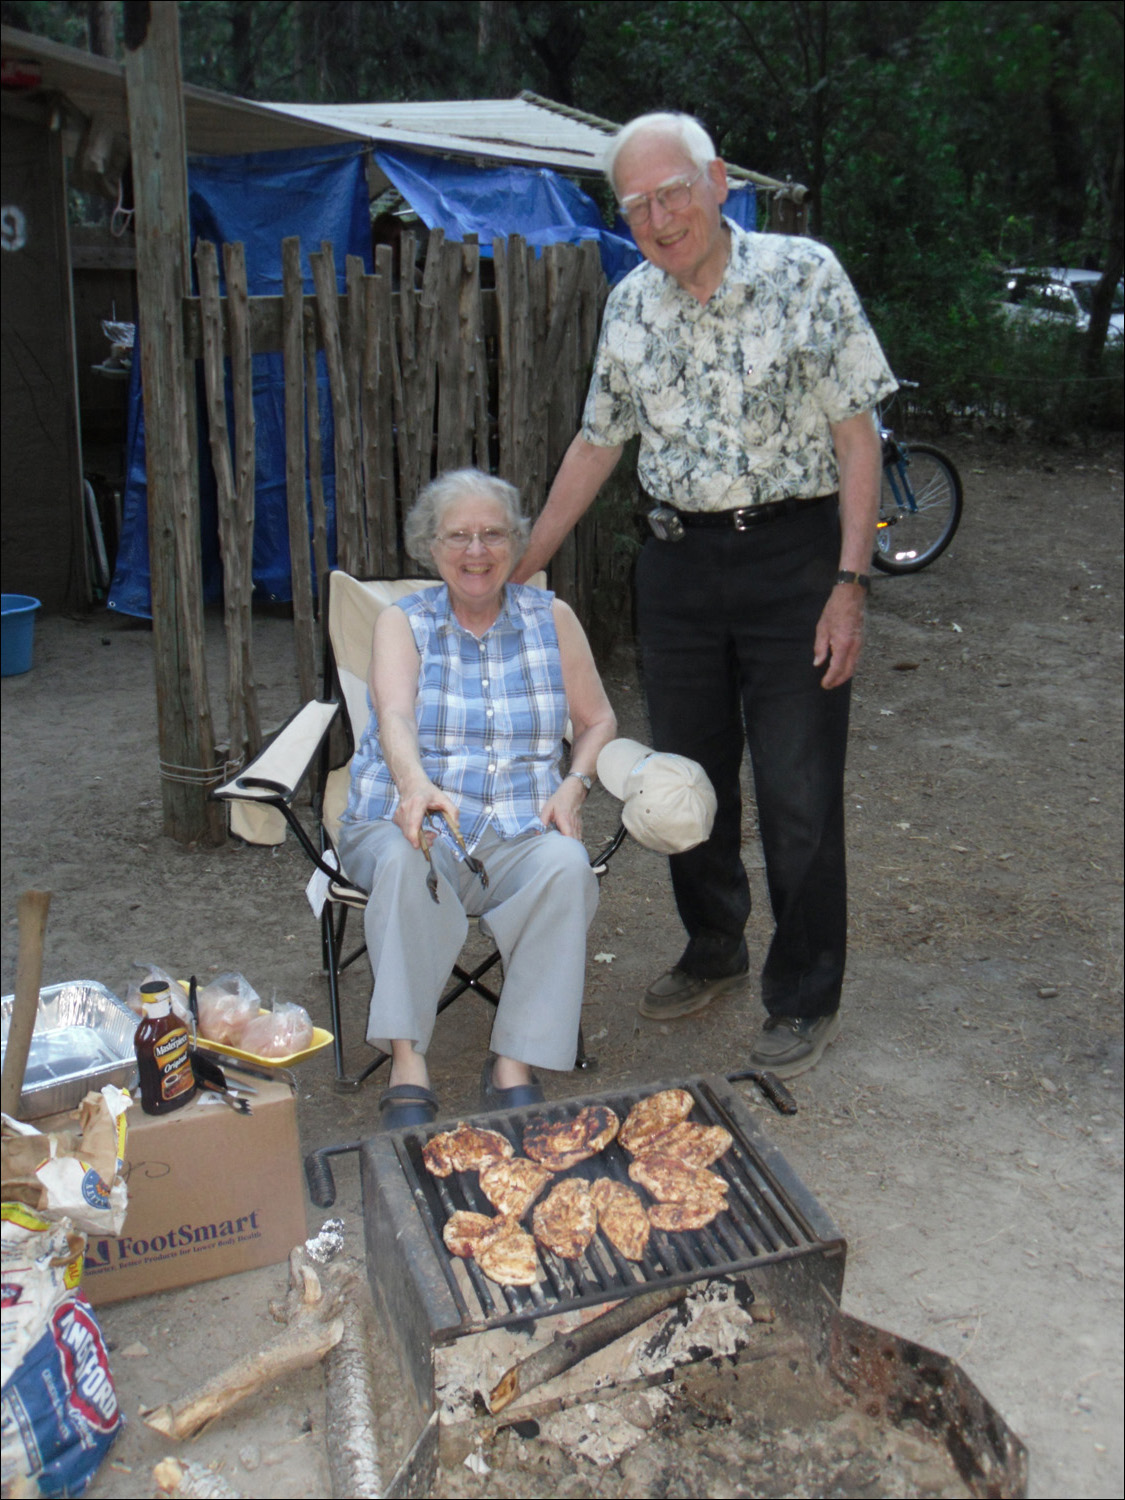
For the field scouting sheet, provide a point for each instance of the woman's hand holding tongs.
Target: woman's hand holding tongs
(473, 865)
(415, 806)
(417, 800)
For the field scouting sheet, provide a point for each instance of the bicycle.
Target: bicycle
(920, 505)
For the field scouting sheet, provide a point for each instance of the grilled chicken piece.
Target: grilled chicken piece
(676, 1217)
(621, 1217)
(513, 1186)
(465, 1149)
(691, 1144)
(565, 1144)
(510, 1259)
(648, 1117)
(566, 1219)
(669, 1181)
(464, 1231)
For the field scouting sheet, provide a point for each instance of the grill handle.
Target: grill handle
(770, 1085)
(318, 1172)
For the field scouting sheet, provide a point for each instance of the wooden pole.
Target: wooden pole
(379, 416)
(214, 375)
(316, 471)
(238, 536)
(350, 546)
(33, 908)
(425, 368)
(296, 505)
(505, 464)
(183, 707)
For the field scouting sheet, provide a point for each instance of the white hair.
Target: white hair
(424, 519)
(685, 130)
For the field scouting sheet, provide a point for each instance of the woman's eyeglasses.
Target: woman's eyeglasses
(460, 541)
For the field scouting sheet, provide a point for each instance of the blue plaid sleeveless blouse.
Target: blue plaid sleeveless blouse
(491, 715)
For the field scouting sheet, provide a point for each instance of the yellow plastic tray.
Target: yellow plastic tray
(321, 1039)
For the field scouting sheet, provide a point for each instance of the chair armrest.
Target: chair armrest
(278, 770)
(259, 796)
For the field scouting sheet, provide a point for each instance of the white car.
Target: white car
(1058, 294)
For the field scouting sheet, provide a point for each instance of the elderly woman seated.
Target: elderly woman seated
(471, 687)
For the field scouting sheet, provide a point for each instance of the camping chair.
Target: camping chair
(261, 795)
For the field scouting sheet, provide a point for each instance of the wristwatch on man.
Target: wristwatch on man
(847, 575)
(587, 781)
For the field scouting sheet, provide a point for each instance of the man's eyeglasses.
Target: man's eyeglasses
(461, 541)
(672, 197)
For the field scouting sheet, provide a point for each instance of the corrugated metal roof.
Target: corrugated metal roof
(519, 130)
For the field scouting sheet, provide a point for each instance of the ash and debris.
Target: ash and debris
(717, 1319)
(779, 1425)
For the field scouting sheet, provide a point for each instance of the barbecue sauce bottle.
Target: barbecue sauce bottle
(163, 1053)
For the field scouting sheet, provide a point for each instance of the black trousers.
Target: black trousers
(726, 623)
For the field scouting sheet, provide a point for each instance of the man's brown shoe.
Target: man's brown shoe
(787, 1046)
(679, 993)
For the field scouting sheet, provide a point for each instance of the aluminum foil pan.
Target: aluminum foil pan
(83, 1039)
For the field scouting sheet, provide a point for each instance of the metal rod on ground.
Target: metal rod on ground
(33, 908)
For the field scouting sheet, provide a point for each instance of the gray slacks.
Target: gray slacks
(541, 898)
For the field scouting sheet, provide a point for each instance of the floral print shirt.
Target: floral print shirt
(734, 398)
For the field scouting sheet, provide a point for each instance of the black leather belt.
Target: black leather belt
(749, 515)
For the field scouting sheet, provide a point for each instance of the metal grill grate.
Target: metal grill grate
(771, 1216)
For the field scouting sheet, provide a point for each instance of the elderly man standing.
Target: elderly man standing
(747, 366)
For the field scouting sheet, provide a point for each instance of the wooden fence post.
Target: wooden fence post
(237, 536)
(316, 469)
(350, 545)
(293, 359)
(234, 490)
(156, 134)
(381, 383)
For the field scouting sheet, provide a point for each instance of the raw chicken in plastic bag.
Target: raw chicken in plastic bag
(279, 1032)
(226, 1007)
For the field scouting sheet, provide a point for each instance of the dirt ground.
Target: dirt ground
(965, 1130)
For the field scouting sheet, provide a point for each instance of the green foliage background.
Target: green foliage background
(941, 139)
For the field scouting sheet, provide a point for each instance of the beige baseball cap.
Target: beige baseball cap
(669, 802)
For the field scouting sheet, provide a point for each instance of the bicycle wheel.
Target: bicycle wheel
(910, 536)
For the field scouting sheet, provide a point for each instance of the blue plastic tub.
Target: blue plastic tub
(17, 634)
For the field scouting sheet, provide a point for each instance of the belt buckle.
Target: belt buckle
(743, 518)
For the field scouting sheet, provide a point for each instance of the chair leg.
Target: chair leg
(331, 938)
(328, 942)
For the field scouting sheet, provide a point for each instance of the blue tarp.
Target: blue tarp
(317, 195)
(321, 194)
(494, 202)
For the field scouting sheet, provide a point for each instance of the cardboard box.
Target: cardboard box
(211, 1192)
